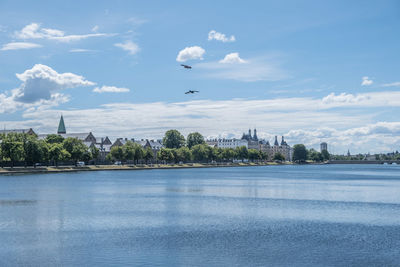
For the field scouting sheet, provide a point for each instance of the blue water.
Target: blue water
(331, 215)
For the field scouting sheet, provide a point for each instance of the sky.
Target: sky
(313, 71)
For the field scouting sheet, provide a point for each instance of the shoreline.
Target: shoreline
(128, 167)
(61, 169)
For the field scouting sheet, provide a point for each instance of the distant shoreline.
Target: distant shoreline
(129, 167)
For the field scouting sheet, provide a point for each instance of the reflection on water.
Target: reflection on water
(17, 202)
(278, 215)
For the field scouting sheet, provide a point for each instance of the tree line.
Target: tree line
(178, 149)
(302, 154)
(22, 147)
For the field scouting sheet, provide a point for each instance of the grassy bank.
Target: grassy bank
(22, 170)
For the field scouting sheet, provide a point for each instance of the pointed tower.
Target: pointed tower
(283, 142)
(255, 135)
(61, 126)
(276, 141)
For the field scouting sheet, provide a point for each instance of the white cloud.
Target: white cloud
(19, 45)
(256, 69)
(137, 21)
(40, 82)
(214, 35)
(344, 99)
(129, 46)
(366, 81)
(39, 89)
(394, 84)
(372, 99)
(34, 31)
(232, 58)
(81, 50)
(193, 52)
(110, 89)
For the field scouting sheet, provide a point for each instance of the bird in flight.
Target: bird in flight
(186, 66)
(191, 92)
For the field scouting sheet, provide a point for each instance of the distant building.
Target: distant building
(324, 146)
(252, 141)
(155, 145)
(231, 143)
(282, 148)
(87, 138)
(27, 131)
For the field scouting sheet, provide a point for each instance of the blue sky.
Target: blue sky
(311, 70)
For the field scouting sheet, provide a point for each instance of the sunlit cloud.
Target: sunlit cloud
(190, 53)
(19, 45)
(214, 35)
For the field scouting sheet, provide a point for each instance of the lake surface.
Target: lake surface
(331, 215)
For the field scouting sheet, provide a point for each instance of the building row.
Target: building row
(104, 144)
(253, 142)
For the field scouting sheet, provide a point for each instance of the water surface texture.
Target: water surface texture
(331, 215)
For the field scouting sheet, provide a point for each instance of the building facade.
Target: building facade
(324, 146)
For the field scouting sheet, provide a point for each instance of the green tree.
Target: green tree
(76, 148)
(12, 147)
(217, 153)
(58, 153)
(299, 153)
(264, 155)
(325, 155)
(279, 157)
(54, 139)
(148, 154)
(200, 153)
(194, 139)
(254, 154)
(183, 154)
(173, 139)
(242, 152)
(95, 152)
(228, 154)
(165, 154)
(139, 152)
(44, 151)
(129, 150)
(117, 153)
(314, 155)
(33, 151)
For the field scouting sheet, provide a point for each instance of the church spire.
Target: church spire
(61, 126)
(276, 141)
(255, 135)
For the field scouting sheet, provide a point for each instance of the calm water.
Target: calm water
(336, 215)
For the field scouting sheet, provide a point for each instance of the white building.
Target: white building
(231, 143)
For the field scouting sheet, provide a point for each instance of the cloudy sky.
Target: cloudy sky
(312, 70)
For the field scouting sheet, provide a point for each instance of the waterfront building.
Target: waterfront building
(231, 143)
(87, 138)
(324, 146)
(212, 142)
(155, 145)
(27, 131)
(252, 141)
(282, 148)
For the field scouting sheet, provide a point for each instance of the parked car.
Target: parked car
(118, 163)
(80, 164)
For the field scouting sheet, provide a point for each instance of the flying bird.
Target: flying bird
(191, 92)
(186, 66)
